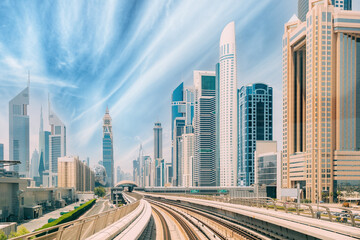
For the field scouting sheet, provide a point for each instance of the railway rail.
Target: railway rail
(191, 234)
(165, 227)
(233, 230)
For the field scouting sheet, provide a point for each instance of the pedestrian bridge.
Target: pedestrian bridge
(126, 184)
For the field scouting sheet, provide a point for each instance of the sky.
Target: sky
(129, 56)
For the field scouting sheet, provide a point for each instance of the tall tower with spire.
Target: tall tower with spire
(108, 150)
(43, 148)
(19, 132)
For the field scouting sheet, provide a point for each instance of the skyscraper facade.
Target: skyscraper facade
(157, 146)
(157, 140)
(34, 166)
(182, 112)
(187, 143)
(118, 174)
(1, 154)
(228, 107)
(44, 144)
(321, 138)
(19, 132)
(57, 145)
(303, 8)
(342, 4)
(204, 166)
(255, 123)
(108, 154)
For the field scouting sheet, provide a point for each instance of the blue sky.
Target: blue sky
(128, 55)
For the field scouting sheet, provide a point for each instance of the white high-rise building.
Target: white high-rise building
(204, 164)
(19, 132)
(57, 146)
(187, 159)
(228, 107)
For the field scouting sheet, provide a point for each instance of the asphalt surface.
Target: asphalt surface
(101, 205)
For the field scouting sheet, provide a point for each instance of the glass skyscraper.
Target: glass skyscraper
(44, 144)
(255, 123)
(303, 8)
(57, 145)
(108, 150)
(182, 113)
(157, 147)
(1, 154)
(204, 166)
(19, 132)
(343, 4)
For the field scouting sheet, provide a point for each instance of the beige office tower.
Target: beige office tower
(74, 173)
(321, 99)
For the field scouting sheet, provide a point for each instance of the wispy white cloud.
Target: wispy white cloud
(127, 54)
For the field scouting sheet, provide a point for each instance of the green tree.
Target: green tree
(2, 235)
(21, 230)
(100, 191)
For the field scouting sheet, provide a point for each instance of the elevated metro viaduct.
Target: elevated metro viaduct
(116, 192)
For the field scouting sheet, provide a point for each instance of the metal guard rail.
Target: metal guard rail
(82, 228)
(265, 201)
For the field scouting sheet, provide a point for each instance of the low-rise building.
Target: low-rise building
(73, 173)
(268, 167)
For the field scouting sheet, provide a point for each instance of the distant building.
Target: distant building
(136, 171)
(267, 163)
(255, 123)
(157, 146)
(88, 161)
(34, 166)
(73, 173)
(303, 8)
(228, 146)
(187, 159)
(100, 175)
(44, 151)
(182, 112)
(108, 149)
(1, 154)
(147, 171)
(19, 132)
(118, 174)
(204, 152)
(57, 145)
(168, 174)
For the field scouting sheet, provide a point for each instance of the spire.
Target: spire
(49, 104)
(41, 120)
(28, 78)
(107, 110)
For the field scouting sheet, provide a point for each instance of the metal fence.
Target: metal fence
(82, 228)
(288, 207)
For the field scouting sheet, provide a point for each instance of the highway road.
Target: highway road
(101, 205)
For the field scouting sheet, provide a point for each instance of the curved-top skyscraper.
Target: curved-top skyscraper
(228, 107)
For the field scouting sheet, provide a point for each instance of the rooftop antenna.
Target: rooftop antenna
(28, 78)
(49, 104)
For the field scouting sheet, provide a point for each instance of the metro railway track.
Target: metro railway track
(188, 230)
(240, 230)
(165, 227)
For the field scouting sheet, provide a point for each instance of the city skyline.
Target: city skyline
(65, 75)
